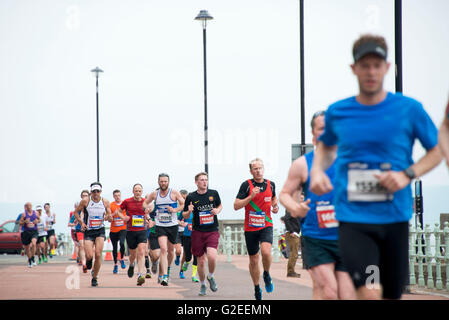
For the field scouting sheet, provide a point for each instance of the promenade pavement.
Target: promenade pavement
(62, 278)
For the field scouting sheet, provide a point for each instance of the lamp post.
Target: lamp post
(204, 16)
(96, 73)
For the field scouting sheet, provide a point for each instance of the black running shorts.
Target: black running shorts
(27, 235)
(133, 238)
(253, 238)
(154, 243)
(371, 252)
(319, 251)
(170, 232)
(92, 235)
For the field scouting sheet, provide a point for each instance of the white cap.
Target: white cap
(95, 187)
(38, 207)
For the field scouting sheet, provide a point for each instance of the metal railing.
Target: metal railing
(234, 243)
(428, 253)
(429, 256)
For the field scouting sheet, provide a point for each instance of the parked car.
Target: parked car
(10, 240)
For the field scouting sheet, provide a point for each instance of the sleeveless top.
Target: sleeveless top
(258, 210)
(32, 218)
(94, 215)
(320, 222)
(163, 217)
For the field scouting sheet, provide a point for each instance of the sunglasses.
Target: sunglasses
(96, 191)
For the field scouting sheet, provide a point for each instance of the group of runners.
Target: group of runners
(37, 233)
(352, 194)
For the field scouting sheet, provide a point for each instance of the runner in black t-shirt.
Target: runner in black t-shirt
(205, 205)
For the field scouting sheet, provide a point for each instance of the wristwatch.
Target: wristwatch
(410, 173)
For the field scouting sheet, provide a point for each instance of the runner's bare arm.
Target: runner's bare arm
(217, 210)
(186, 214)
(398, 180)
(241, 203)
(147, 203)
(443, 138)
(297, 176)
(80, 208)
(323, 158)
(180, 200)
(108, 213)
(121, 215)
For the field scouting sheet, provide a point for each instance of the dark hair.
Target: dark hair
(183, 191)
(137, 184)
(316, 115)
(163, 175)
(46, 204)
(84, 191)
(369, 38)
(116, 191)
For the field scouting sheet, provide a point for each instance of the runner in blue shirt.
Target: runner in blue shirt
(374, 133)
(319, 227)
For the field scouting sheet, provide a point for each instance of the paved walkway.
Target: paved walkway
(62, 278)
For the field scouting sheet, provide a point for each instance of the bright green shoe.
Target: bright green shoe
(45, 259)
(40, 260)
(185, 266)
(195, 279)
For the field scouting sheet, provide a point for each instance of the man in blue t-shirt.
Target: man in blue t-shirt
(374, 133)
(318, 225)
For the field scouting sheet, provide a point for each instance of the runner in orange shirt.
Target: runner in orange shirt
(118, 231)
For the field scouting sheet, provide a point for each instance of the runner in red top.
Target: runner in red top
(136, 235)
(258, 197)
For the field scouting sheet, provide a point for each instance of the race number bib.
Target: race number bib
(364, 186)
(256, 219)
(95, 222)
(326, 215)
(119, 222)
(189, 227)
(40, 227)
(206, 218)
(163, 215)
(137, 221)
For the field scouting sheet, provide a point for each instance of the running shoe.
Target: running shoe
(164, 281)
(268, 282)
(148, 274)
(45, 259)
(177, 260)
(115, 269)
(84, 268)
(130, 271)
(140, 280)
(195, 279)
(53, 252)
(40, 260)
(185, 266)
(159, 279)
(94, 282)
(181, 275)
(258, 294)
(202, 290)
(122, 263)
(212, 284)
(30, 265)
(154, 267)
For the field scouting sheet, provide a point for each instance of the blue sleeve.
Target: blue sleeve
(328, 137)
(424, 128)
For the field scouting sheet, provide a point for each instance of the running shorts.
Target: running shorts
(133, 238)
(50, 233)
(254, 238)
(203, 240)
(28, 235)
(92, 235)
(319, 251)
(79, 236)
(373, 252)
(179, 237)
(170, 232)
(41, 239)
(154, 243)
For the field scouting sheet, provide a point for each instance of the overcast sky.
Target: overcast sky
(151, 92)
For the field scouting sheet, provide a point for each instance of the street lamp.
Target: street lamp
(204, 16)
(96, 73)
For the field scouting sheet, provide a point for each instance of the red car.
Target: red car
(10, 240)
